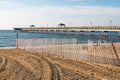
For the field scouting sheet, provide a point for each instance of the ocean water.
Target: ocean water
(8, 37)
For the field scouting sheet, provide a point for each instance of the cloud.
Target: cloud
(61, 10)
(8, 4)
(79, 10)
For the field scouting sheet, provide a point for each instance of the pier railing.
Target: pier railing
(84, 28)
(99, 51)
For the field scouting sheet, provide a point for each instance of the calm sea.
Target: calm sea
(8, 37)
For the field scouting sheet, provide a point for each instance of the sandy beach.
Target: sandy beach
(16, 64)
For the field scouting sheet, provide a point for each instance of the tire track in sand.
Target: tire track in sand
(3, 62)
(52, 72)
(45, 67)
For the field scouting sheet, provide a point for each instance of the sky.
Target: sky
(44, 13)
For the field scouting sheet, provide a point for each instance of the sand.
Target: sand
(16, 64)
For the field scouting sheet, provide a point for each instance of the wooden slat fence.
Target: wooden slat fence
(99, 51)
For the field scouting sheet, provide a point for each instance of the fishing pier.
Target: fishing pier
(92, 30)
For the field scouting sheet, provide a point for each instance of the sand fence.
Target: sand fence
(99, 51)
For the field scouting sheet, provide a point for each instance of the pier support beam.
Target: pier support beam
(105, 33)
(92, 32)
(57, 31)
(64, 32)
(81, 32)
(119, 33)
(51, 31)
(72, 32)
(41, 31)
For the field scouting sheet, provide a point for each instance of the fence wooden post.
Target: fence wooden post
(17, 40)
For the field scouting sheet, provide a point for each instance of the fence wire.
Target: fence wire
(99, 51)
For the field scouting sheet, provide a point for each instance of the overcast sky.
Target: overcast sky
(23, 13)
